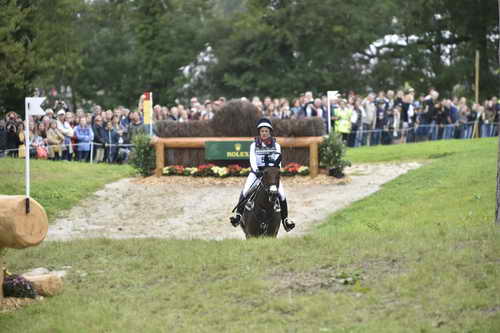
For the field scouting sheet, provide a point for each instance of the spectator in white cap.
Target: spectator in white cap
(66, 129)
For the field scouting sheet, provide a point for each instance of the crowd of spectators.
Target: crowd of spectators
(60, 134)
(382, 118)
(391, 117)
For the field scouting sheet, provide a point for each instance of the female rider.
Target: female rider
(263, 153)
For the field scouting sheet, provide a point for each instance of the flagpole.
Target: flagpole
(27, 157)
(31, 108)
(152, 117)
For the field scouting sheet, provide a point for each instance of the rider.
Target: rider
(263, 153)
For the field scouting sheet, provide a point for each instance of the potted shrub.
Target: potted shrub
(332, 151)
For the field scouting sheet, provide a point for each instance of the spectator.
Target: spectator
(356, 124)
(430, 110)
(85, 136)
(55, 139)
(441, 120)
(22, 141)
(174, 114)
(471, 119)
(135, 127)
(164, 113)
(99, 139)
(488, 119)
(157, 114)
(379, 122)
(12, 138)
(343, 116)
(295, 108)
(64, 126)
(38, 146)
(369, 120)
(451, 114)
(123, 150)
(406, 117)
(183, 117)
(389, 124)
(111, 142)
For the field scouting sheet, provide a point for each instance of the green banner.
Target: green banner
(227, 150)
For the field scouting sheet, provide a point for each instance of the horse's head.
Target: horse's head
(271, 181)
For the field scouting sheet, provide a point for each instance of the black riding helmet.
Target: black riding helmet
(264, 122)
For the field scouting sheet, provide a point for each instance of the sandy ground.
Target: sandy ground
(199, 208)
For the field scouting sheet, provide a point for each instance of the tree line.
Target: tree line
(110, 51)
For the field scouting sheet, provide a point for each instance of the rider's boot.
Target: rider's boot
(287, 224)
(236, 219)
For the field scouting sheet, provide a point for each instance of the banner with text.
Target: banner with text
(227, 150)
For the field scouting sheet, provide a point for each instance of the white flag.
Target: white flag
(33, 106)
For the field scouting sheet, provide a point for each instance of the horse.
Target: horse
(262, 214)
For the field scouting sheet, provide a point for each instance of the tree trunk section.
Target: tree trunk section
(19, 230)
(47, 284)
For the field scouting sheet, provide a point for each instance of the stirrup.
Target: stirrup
(235, 220)
(287, 224)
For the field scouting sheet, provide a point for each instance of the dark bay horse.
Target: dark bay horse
(262, 214)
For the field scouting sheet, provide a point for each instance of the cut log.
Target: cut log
(19, 230)
(47, 284)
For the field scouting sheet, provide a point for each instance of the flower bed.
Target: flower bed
(234, 170)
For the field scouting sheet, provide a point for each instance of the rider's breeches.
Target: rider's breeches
(252, 181)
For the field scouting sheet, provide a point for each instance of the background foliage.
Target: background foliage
(110, 51)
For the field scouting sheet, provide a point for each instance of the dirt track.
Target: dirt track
(199, 208)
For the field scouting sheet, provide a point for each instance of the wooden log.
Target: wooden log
(200, 142)
(47, 284)
(160, 158)
(19, 230)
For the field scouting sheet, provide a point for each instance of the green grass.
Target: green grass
(417, 152)
(424, 254)
(58, 186)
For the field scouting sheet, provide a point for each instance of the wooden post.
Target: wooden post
(477, 76)
(313, 159)
(160, 158)
(475, 129)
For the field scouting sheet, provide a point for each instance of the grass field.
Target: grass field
(58, 185)
(421, 255)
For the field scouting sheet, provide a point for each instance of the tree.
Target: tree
(286, 47)
(58, 43)
(170, 35)
(109, 52)
(441, 37)
(17, 60)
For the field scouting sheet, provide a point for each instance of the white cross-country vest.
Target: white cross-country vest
(261, 151)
